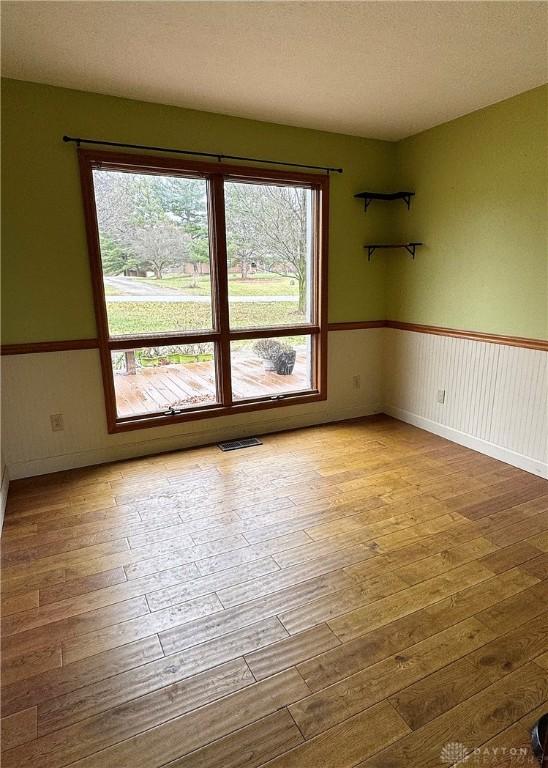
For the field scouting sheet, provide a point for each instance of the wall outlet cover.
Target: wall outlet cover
(57, 423)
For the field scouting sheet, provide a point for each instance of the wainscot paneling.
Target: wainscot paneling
(496, 400)
(69, 382)
(496, 396)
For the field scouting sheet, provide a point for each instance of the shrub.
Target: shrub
(267, 349)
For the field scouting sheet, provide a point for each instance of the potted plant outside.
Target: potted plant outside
(285, 361)
(268, 350)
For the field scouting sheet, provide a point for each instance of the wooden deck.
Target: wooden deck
(153, 389)
(357, 595)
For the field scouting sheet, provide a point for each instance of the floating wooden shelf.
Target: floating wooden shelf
(372, 247)
(367, 197)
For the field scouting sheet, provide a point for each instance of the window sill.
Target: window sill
(147, 422)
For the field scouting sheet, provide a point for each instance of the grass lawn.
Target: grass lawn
(156, 317)
(259, 285)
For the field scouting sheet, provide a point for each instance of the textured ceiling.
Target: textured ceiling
(378, 69)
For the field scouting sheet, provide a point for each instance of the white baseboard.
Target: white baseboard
(61, 462)
(527, 463)
(4, 496)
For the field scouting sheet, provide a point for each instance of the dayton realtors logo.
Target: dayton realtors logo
(454, 753)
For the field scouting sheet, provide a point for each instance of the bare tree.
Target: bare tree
(160, 247)
(269, 223)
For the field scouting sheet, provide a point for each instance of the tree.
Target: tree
(197, 252)
(158, 222)
(269, 224)
(159, 247)
(115, 200)
(138, 221)
(117, 259)
(184, 199)
(284, 227)
(243, 245)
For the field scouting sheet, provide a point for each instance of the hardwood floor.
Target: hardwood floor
(360, 594)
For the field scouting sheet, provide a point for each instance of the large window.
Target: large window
(209, 285)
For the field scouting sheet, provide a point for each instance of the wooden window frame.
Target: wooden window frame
(216, 174)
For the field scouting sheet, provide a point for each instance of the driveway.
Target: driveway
(130, 287)
(180, 298)
(147, 292)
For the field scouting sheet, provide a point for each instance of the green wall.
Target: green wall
(480, 209)
(46, 283)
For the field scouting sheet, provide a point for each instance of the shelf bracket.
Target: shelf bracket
(370, 251)
(407, 200)
(411, 249)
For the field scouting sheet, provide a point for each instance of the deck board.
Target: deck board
(157, 388)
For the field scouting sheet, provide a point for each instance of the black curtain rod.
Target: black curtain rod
(77, 140)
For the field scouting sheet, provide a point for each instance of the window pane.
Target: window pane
(270, 367)
(152, 379)
(270, 254)
(154, 240)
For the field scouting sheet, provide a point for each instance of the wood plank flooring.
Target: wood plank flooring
(353, 595)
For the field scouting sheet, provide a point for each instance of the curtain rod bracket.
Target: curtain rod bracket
(79, 141)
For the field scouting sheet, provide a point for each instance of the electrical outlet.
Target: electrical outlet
(57, 423)
(356, 382)
(441, 396)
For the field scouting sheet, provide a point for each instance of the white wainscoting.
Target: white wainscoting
(496, 401)
(37, 385)
(496, 395)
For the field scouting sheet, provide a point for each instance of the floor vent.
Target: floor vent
(235, 445)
